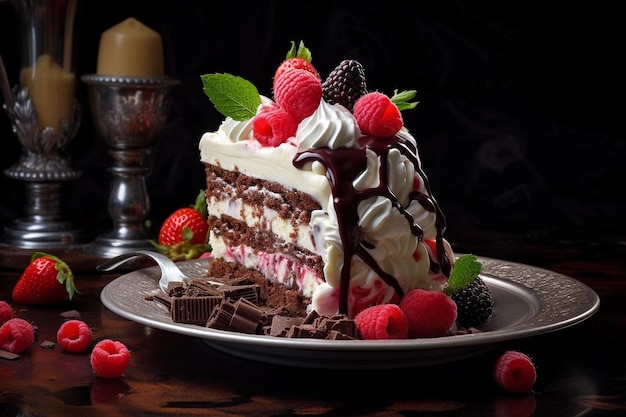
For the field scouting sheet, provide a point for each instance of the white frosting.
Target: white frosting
(331, 125)
(393, 245)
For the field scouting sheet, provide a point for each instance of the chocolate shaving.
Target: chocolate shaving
(8, 355)
(249, 292)
(240, 316)
(71, 314)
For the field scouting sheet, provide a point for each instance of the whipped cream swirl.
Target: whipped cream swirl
(331, 125)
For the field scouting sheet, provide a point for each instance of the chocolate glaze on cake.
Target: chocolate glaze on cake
(343, 165)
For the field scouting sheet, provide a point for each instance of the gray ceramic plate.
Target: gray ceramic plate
(529, 301)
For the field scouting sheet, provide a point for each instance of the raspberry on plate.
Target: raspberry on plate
(74, 336)
(383, 321)
(109, 359)
(429, 313)
(515, 371)
(16, 335)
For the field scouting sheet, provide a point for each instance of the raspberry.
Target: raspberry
(298, 92)
(377, 115)
(109, 358)
(16, 335)
(514, 371)
(273, 126)
(6, 312)
(74, 336)
(429, 313)
(383, 321)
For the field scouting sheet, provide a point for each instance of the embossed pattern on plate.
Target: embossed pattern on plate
(529, 301)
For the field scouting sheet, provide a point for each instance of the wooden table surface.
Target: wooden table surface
(581, 369)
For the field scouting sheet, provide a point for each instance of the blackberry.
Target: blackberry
(474, 304)
(345, 84)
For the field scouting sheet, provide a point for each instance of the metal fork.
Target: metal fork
(169, 270)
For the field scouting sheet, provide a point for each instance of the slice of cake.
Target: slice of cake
(319, 194)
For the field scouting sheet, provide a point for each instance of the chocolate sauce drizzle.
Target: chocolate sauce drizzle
(342, 167)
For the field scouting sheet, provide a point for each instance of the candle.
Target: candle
(51, 89)
(130, 49)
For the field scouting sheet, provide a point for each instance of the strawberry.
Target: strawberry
(46, 280)
(183, 235)
(297, 59)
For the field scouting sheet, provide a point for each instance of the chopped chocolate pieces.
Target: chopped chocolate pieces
(236, 305)
(193, 310)
(325, 327)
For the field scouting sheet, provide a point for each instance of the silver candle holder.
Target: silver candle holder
(129, 113)
(45, 117)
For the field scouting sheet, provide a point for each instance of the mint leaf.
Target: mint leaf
(401, 99)
(232, 96)
(466, 268)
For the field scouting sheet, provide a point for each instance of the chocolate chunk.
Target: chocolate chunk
(71, 314)
(250, 292)
(175, 288)
(307, 331)
(246, 316)
(166, 300)
(241, 316)
(281, 324)
(201, 287)
(193, 310)
(335, 335)
(48, 344)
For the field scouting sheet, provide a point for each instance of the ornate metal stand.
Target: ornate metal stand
(45, 116)
(43, 167)
(129, 113)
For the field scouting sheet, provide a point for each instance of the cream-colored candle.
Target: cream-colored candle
(51, 89)
(130, 49)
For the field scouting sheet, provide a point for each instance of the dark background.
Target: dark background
(520, 121)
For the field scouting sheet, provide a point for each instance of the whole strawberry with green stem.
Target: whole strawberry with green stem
(297, 58)
(46, 280)
(183, 235)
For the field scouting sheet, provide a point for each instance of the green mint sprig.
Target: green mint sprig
(466, 269)
(402, 99)
(232, 96)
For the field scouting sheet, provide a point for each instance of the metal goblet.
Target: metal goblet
(128, 113)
